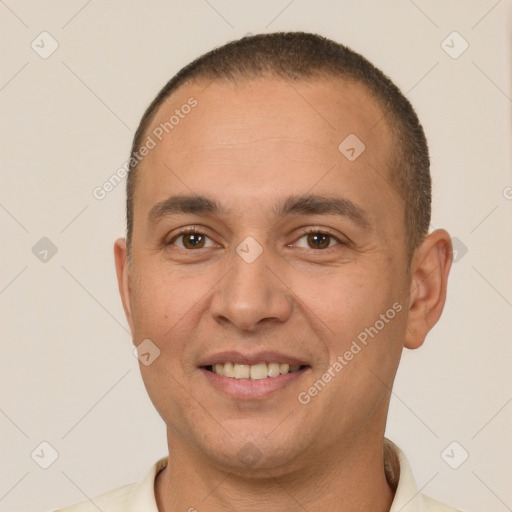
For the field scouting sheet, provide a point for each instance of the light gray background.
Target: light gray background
(68, 373)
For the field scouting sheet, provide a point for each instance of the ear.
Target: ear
(123, 277)
(429, 270)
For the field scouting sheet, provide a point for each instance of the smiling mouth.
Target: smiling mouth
(254, 371)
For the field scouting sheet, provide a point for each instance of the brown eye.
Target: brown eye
(318, 240)
(191, 240)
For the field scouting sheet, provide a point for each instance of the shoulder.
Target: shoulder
(112, 501)
(408, 498)
(129, 498)
(432, 505)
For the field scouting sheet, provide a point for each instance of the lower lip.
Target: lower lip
(251, 389)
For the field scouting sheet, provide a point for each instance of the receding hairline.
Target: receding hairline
(205, 81)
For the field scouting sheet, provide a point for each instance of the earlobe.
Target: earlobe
(123, 276)
(430, 268)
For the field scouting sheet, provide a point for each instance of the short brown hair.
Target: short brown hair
(298, 56)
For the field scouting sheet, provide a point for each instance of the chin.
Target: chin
(251, 451)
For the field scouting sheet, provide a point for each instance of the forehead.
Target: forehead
(261, 138)
(320, 111)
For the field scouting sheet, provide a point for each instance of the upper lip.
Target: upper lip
(236, 357)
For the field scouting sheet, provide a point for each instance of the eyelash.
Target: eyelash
(315, 231)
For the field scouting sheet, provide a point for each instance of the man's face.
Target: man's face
(252, 286)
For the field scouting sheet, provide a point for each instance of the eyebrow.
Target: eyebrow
(309, 204)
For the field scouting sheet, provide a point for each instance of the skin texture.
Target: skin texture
(249, 146)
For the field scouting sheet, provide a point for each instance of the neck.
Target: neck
(350, 481)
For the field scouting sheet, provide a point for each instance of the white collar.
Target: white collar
(141, 497)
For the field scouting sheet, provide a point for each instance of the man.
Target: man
(276, 263)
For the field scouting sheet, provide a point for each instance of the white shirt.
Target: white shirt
(140, 497)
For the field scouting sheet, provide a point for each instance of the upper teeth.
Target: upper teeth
(254, 371)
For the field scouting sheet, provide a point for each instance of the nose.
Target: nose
(252, 295)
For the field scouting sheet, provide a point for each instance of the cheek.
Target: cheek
(162, 300)
(362, 319)
(347, 300)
